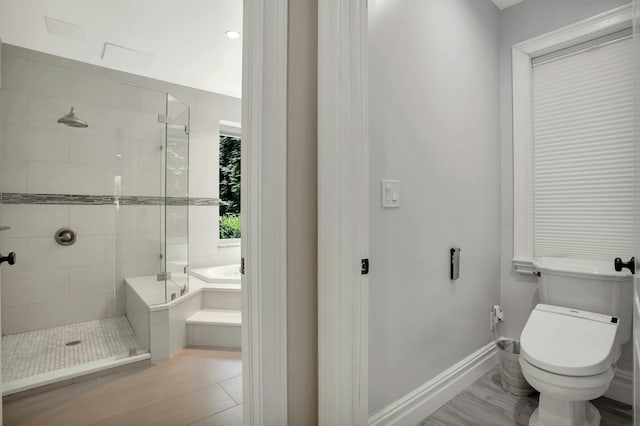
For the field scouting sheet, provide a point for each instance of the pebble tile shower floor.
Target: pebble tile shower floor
(43, 351)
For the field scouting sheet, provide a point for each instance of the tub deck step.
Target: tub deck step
(214, 328)
(230, 317)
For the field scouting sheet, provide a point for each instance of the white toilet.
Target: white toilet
(573, 338)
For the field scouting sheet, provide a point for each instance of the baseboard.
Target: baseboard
(420, 403)
(621, 388)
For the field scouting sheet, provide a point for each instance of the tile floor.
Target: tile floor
(485, 403)
(42, 351)
(196, 387)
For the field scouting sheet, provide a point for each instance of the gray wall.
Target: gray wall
(302, 312)
(519, 23)
(434, 126)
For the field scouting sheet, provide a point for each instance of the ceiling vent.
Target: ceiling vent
(503, 4)
(65, 29)
(125, 58)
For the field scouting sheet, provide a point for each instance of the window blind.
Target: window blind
(584, 156)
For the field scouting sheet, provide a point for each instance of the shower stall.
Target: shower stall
(86, 200)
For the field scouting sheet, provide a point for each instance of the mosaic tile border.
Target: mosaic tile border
(101, 200)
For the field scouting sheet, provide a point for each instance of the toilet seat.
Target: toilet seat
(568, 388)
(569, 342)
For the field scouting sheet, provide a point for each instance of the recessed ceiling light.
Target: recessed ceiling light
(233, 34)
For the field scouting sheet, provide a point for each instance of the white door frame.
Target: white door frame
(264, 138)
(343, 212)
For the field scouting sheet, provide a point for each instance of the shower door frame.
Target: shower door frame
(263, 213)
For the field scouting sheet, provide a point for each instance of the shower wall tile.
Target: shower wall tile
(48, 314)
(137, 219)
(142, 182)
(206, 152)
(69, 311)
(92, 149)
(30, 220)
(93, 220)
(91, 89)
(138, 247)
(27, 287)
(152, 102)
(200, 184)
(14, 75)
(44, 253)
(125, 124)
(69, 178)
(127, 97)
(14, 51)
(13, 106)
(58, 61)
(92, 281)
(44, 112)
(28, 143)
(46, 80)
(15, 319)
(13, 175)
(203, 219)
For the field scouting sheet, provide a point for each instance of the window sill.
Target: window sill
(231, 242)
(524, 267)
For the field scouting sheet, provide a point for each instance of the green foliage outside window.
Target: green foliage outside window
(229, 187)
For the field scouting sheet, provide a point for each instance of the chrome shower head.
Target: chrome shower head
(72, 120)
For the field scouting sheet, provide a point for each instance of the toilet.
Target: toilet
(573, 338)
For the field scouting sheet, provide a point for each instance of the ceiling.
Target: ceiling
(503, 4)
(182, 42)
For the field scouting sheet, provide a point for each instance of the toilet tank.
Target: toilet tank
(587, 285)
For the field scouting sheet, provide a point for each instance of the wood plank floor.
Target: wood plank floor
(485, 403)
(196, 387)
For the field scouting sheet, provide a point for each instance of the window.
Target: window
(573, 149)
(583, 127)
(229, 186)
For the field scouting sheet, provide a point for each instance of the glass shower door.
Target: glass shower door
(175, 223)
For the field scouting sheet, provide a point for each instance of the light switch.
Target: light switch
(390, 193)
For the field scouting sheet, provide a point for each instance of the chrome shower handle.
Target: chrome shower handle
(65, 236)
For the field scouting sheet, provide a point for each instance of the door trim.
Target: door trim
(343, 212)
(263, 215)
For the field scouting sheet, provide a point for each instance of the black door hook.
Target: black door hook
(619, 264)
(11, 258)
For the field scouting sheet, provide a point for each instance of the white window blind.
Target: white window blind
(584, 164)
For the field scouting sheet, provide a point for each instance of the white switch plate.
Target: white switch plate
(390, 193)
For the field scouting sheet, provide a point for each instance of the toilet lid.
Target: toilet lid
(568, 341)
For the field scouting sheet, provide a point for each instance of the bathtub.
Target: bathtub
(229, 274)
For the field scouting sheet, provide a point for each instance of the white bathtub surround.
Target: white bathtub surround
(218, 328)
(167, 323)
(41, 357)
(221, 274)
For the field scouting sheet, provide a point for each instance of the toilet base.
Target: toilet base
(564, 413)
